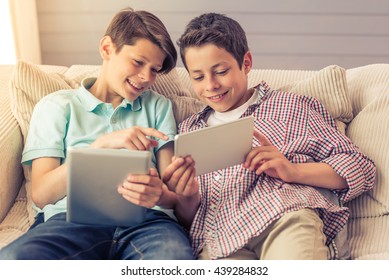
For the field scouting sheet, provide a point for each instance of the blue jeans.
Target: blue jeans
(158, 238)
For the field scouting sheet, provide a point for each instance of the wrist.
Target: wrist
(168, 199)
(188, 201)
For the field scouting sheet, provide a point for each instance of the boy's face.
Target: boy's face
(132, 70)
(217, 78)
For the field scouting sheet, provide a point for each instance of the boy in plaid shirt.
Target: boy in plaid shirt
(269, 207)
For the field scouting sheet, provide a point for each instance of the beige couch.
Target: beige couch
(357, 98)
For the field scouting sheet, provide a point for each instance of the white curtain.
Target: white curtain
(26, 32)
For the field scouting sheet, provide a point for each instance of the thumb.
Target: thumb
(153, 172)
(261, 138)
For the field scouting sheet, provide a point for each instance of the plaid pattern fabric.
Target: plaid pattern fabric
(237, 204)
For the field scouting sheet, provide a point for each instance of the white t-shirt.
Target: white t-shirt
(215, 118)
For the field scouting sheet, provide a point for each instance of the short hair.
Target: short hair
(128, 26)
(216, 29)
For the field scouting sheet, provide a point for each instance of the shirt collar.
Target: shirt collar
(91, 102)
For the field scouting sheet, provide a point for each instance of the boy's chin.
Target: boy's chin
(220, 108)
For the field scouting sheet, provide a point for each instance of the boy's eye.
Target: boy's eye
(198, 78)
(222, 72)
(138, 62)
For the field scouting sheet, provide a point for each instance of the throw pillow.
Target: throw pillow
(369, 93)
(369, 221)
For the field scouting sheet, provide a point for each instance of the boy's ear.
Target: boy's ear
(247, 62)
(106, 47)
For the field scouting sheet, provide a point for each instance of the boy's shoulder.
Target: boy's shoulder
(62, 94)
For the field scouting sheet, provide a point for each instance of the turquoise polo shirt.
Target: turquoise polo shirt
(76, 118)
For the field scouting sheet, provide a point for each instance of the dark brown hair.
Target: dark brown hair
(128, 26)
(216, 29)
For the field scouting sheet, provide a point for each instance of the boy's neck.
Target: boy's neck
(101, 91)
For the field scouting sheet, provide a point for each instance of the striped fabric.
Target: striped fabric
(369, 223)
(10, 148)
(28, 85)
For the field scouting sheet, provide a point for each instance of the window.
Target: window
(7, 53)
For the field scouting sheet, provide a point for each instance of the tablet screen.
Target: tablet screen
(217, 147)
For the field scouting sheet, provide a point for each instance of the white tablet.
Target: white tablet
(217, 147)
(93, 178)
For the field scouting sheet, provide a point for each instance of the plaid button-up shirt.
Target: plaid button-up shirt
(237, 205)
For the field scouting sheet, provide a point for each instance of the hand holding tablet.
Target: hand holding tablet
(217, 147)
(93, 177)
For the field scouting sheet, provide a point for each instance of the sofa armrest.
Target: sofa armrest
(11, 145)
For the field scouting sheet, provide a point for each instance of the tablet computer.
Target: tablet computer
(93, 178)
(217, 147)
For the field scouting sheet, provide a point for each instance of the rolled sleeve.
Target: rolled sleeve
(358, 170)
(341, 154)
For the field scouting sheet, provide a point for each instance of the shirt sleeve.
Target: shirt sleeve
(330, 146)
(47, 131)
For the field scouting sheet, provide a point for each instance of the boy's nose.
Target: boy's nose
(145, 75)
(212, 84)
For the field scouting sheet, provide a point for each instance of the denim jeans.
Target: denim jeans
(158, 238)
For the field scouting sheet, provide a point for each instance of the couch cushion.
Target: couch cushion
(329, 86)
(29, 84)
(369, 94)
(10, 147)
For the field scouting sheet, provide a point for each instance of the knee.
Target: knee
(176, 249)
(22, 252)
(15, 253)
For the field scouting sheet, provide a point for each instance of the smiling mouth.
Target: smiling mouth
(135, 85)
(217, 97)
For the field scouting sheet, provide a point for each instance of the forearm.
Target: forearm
(319, 175)
(186, 209)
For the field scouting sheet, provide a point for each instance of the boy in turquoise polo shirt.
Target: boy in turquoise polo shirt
(115, 110)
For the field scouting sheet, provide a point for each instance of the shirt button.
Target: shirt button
(217, 177)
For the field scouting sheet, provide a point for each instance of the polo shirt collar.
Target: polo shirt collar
(91, 102)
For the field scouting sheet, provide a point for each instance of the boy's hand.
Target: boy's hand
(142, 189)
(179, 177)
(133, 138)
(267, 158)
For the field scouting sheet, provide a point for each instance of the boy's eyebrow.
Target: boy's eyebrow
(213, 67)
